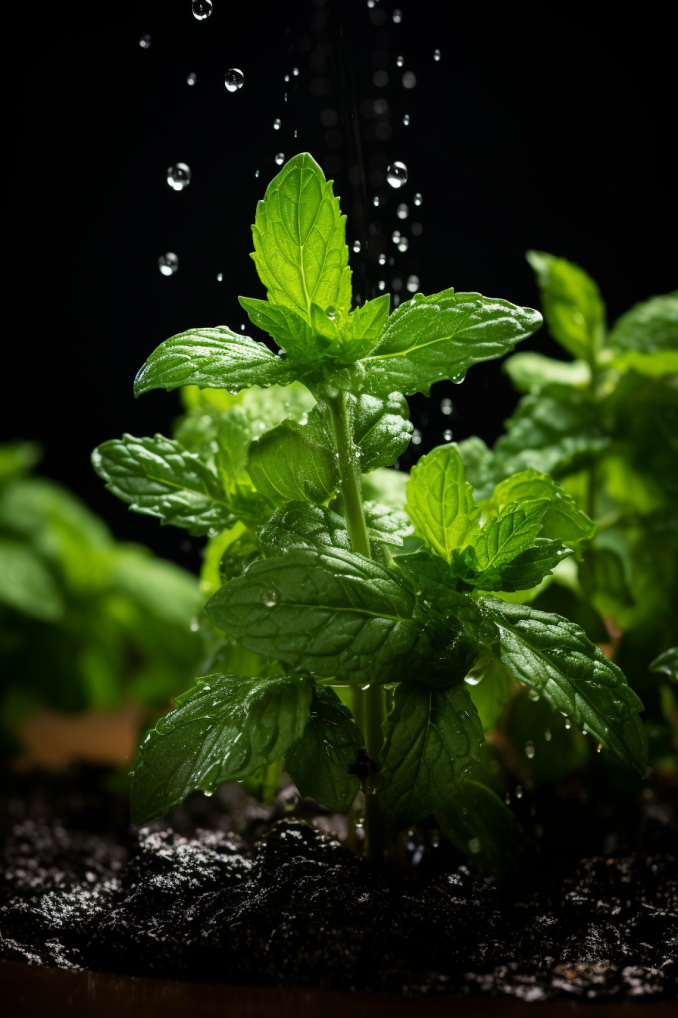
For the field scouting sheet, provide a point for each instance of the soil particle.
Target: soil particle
(206, 897)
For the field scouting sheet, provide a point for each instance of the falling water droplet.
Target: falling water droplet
(192, 78)
(519, 791)
(145, 41)
(447, 435)
(234, 79)
(356, 246)
(413, 283)
(179, 176)
(400, 61)
(395, 237)
(396, 174)
(201, 9)
(168, 263)
(403, 244)
(280, 158)
(371, 3)
(295, 71)
(296, 133)
(529, 750)
(406, 120)
(547, 735)
(409, 79)
(375, 200)
(397, 16)
(418, 199)
(382, 259)
(402, 211)
(269, 597)
(446, 406)
(331, 313)
(436, 54)
(287, 77)
(416, 437)
(533, 695)
(256, 173)
(220, 277)
(277, 124)
(381, 284)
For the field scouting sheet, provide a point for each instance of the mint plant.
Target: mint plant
(357, 644)
(604, 424)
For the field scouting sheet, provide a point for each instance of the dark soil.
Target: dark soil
(225, 890)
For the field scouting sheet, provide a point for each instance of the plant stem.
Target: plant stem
(592, 478)
(370, 709)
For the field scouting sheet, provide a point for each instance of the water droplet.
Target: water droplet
(234, 79)
(487, 631)
(600, 747)
(403, 244)
(220, 277)
(474, 845)
(395, 237)
(507, 798)
(280, 158)
(413, 283)
(434, 838)
(381, 284)
(409, 79)
(208, 794)
(445, 404)
(416, 437)
(519, 791)
(331, 313)
(179, 176)
(400, 61)
(547, 735)
(201, 9)
(356, 246)
(375, 200)
(256, 173)
(145, 41)
(194, 625)
(402, 211)
(192, 78)
(406, 120)
(277, 124)
(168, 263)
(396, 174)
(568, 726)
(418, 199)
(436, 54)
(447, 435)
(295, 133)
(397, 16)
(382, 258)
(287, 77)
(295, 71)
(533, 695)
(371, 3)
(269, 597)
(529, 750)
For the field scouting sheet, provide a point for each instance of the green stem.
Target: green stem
(592, 478)
(370, 710)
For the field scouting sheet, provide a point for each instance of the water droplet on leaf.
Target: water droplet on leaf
(331, 313)
(179, 176)
(396, 174)
(168, 263)
(234, 79)
(269, 597)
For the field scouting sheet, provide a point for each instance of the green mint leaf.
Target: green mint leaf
(602, 576)
(645, 339)
(530, 371)
(489, 685)
(428, 339)
(479, 466)
(381, 429)
(555, 658)
(159, 478)
(386, 486)
(301, 525)
(431, 739)
(667, 664)
(562, 521)
(302, 344)
(319, 761)
(573, 307)
(500, 541)
(440, 501)
(295, 462)
(223, 729)
(385, 524)
(211, 359)
(26, 583)
(300, 240)
(333, 613)
(17, 459)
(525, 571)
(478, 823)
(556, 430)
(434, 580)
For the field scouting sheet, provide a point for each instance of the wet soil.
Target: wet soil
(224, 890)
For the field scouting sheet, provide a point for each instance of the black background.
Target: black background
(545, 126)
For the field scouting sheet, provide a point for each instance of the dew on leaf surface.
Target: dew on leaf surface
(191, 78)
(418, 198)
(396, 174)
(402, 211)
(412, 283)
(409, 79)
(168, 263)
(406, 120)
(331, 313)
(179, 176)
(280, 158)
(234, 79)
(145, 41)
(269, 597)
(201, 9)
(277, 124)
(447, 435)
